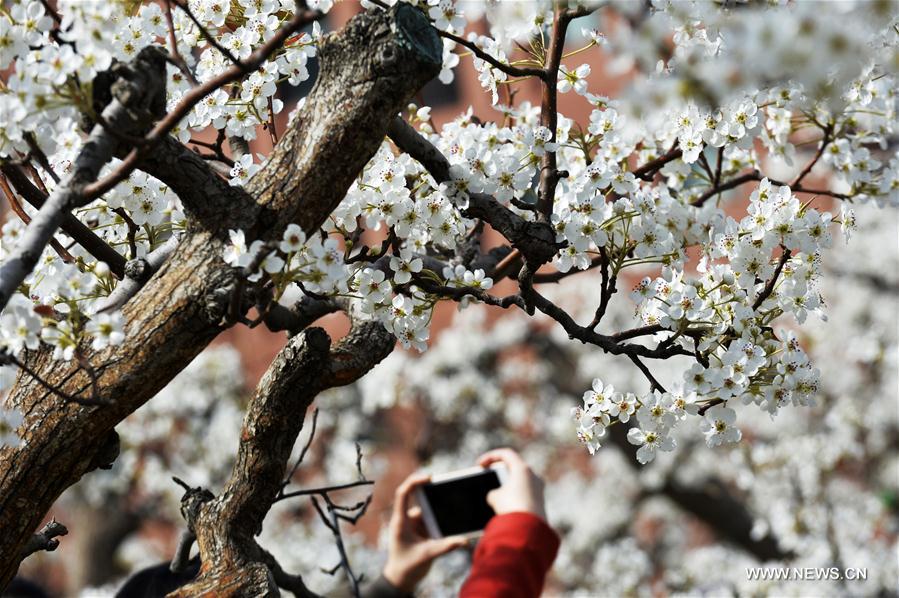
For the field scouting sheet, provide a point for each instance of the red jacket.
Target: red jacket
(512, 558)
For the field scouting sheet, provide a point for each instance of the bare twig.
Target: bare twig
(648, 170)
(324, 489)
(302, 456)
(709, 405)
(133, 230)
(458, 293)
(757, 176)
(734, 182)
(272, 131)
(718, 166)
(86, 365)
(137, 273)
(808, 167)
(608, 287)
(9, 358)
(332, 522)
(653, 383)
(39, 155)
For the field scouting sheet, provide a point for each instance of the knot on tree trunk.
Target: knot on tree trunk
(139, 86)
(107, 453)
(401, 43)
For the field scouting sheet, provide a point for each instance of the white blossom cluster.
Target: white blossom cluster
(734, 308)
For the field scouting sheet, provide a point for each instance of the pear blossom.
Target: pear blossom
(573, 79)
(107, 330)
(718, 426)
(649, 442)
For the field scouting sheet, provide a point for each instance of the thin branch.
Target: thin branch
(133, 230)
(769, 287)
(549, 113)
(556, 276)
(139, 99)
(606, 343)
(138, 272)
(331, 521)
(177, 58)
(284, 580)
(510, 263)
(7, 358)
(324, 490)
(709, 405)
(808, 167)
(24, 217)
(718, 166)
(458, 293)
(85, 364)
(513, 71)
(302, 456)
(608, 288)
(207, 35)
(648, 170)
(734, 182)
(653, 383)
(757, 176)
(640, 331)
(218, 152)
(57, 22)
(704, 162)
(272, 130)
(41, 158)
(13, 201)
(534, 240)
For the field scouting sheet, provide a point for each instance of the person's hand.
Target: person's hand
(523, 489)
(411, 551)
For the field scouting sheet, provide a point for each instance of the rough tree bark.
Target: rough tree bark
(369, 71)
(233, 563)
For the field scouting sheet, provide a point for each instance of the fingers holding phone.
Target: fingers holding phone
(521, 491)
(411, 550)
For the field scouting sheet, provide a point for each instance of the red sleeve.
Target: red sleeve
(512, 558)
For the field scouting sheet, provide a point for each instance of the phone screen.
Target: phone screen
(460, 506)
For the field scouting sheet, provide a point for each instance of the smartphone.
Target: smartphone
(455, 503)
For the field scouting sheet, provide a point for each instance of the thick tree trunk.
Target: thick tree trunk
(368, 72)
